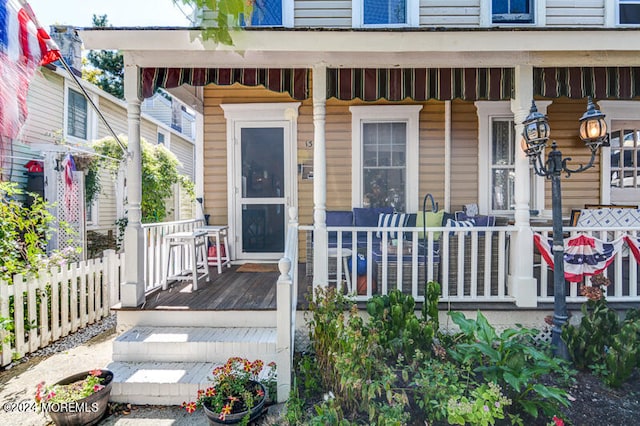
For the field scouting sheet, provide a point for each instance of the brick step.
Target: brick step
(194, 344)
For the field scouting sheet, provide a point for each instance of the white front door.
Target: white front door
(262, 174)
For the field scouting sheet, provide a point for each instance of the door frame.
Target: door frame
(285, 113)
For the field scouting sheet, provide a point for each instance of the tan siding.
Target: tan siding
(431, 169)
(581, 188)
(464, 154)
(322, 13)
(184, 151)
(464, 13)
(116, 116)
(46, 107)
(570, 13)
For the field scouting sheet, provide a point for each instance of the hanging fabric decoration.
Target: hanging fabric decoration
(583, 254)
(634, 246)
(68, 167)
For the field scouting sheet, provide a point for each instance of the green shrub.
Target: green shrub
(511, 360)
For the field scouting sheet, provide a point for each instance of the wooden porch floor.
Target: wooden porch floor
(230, 290)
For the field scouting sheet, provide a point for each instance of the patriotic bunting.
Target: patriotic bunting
(583, 254)
(634, 246)
(24, 46)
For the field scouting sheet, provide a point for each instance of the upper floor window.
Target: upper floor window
(267, 13)
(512, 11)
(76, 115)
(385, 13)
(629, 12)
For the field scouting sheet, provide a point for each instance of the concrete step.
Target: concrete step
(194, 344)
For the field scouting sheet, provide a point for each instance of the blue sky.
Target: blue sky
(121, 13)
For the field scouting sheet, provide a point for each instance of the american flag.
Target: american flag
(24, 45)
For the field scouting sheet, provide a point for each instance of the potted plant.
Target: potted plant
(237, 393)
(80, 399)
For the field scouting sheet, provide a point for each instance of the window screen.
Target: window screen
(77, 115)
(629, 12)
(512, 11)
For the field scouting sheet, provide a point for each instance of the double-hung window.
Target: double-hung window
(628, 12)
(502, 164)
(512, 11)
(625, 161)
(77, 115)
(385, 156)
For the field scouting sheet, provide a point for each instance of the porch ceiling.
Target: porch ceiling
(288, 48)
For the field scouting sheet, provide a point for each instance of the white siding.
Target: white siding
(442, 13)
(46, 107)
(322, 13)
(185, 151)
(575, 13)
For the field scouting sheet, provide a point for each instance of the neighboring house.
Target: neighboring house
(62, 121)
(335, 105)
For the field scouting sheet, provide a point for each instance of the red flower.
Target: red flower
(225, 410)
(210, 391)
(558, 421)
(189, 406)
(96, 388)
(95, 373)
(260, 392)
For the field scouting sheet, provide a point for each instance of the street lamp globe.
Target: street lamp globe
(536, 131)
(593, 127)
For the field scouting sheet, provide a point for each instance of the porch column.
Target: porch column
(522, 285)
(320, 264)
(132, 290)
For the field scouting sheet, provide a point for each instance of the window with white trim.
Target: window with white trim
(512, 11)
(91, 213)
(621, 161)
(385, 156)
(497, 157)
(628, 12)
(385, 13)
(77, 115)
(625, 160)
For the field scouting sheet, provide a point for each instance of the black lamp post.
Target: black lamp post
(593, 132)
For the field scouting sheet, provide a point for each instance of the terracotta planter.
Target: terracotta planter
(86, 411)
(254, 413)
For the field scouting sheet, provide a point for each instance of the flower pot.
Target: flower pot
(233, 418)
(85, 411)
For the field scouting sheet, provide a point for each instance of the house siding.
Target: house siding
(581, 188)
(443, 13)
(574, 13)
(322, 13)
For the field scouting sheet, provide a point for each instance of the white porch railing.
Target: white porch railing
(155, 250)
(287, 302)
(471, 264)
(623, 272)
(57, 302)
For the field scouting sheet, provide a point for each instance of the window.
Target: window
(502, 164)
(512, 11)
(91, 213)
(76, 115)
(160, 138)
(629, 12)
(385, 156)
(625, 158)
(385, 13)
(267, 13)
(621, 162)
(497, 160)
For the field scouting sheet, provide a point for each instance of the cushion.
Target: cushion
(459, 224)
(369, 216)
(392, 220)
(480, 220)
(432, 220)
(340, 218)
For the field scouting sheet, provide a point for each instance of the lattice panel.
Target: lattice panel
(71, 209)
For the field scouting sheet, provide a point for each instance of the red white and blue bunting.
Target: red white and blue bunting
(583, 255)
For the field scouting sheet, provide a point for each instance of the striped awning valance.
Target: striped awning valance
(294, 81)
(580, 82)
(420, 84)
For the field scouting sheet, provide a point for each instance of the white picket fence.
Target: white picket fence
(57, 302)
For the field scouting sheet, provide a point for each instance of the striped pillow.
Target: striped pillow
(459, 224)
(393, 220)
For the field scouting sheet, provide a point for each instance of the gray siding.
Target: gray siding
(573, 13)
(322, 13)
(442, 13)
